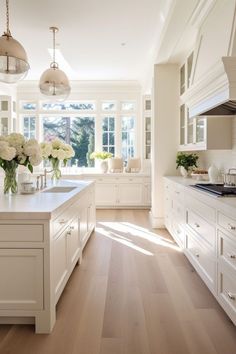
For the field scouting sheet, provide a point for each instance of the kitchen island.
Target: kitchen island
(42, 236)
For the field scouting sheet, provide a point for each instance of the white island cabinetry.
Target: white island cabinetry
(204, 227)
(41, 240)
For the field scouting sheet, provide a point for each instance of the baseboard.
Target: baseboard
(156, 222)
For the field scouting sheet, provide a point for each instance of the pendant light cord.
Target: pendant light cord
(54, 45)
(54, 64)
(8, 33)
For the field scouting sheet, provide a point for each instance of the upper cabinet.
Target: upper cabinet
(7, 115)
(185, 74)
(147, 126)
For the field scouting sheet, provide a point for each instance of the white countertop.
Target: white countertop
(224, 203)
(38, 205)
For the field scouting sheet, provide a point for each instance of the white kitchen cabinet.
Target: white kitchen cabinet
(123, 190)
(7, 115)
(21, 279)
(204, 133)
(205, 230)
(39, 250)
(147, 117)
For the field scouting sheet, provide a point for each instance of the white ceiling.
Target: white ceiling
(91, 35)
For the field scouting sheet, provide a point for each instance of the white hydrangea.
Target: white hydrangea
(6, 151)
(15, 140)
(56, 149)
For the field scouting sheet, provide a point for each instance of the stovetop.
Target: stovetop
(217, 189)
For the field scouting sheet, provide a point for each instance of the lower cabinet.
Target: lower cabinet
(21, 279)
(38, 256)
(207, 237)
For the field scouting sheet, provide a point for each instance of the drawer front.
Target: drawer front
(65, 217)
(21, 233)
(200, 208)
(227, 291)
(202, 256)
(227, 223)
(178, 233)
(178, 209)
(205, 230)
(226, 249)
(107, 180)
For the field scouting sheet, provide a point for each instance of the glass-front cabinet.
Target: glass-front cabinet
(7, 115)
(147, 127)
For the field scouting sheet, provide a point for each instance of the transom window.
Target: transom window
(68, 106)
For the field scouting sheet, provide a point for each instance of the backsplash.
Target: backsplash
(222, 159)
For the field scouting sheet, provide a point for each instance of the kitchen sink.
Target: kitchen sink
(59, 190)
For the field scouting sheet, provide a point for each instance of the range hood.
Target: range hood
(212, 90)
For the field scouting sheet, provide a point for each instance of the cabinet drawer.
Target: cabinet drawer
(227, 291)
(200, 208)
(205, 230)
(65, 217)
(227, 223)
(107, 180)
(178, 233)
(21, 233)
(202, 256)
(178, 209)
(226, 249)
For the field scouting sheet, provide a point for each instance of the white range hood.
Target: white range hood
(213, 79)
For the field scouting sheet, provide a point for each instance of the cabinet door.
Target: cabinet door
(147, 193)
(106, 194)
(21, 279)
(83, 224)
(130, 194)
(60, 264)
(73, 242)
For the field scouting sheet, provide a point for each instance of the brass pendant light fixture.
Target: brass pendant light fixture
(53, 81)
(13, 58)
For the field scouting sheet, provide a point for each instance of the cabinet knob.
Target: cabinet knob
(197, 225)
(72, 227)
(197, 255)
(68, 233)
(232, 227)
(231, 296)
(231, 255)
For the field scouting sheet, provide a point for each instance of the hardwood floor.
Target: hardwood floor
(134, 293)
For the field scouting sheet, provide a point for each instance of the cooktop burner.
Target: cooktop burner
(217, 189)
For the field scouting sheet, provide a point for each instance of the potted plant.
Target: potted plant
(186, 162)
(102, 156)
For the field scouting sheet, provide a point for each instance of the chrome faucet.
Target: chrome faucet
(45, 176)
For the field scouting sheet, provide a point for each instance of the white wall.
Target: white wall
(165, 134)
(223, 159)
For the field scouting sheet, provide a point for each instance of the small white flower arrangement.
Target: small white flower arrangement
(56, 151)
(16, 150)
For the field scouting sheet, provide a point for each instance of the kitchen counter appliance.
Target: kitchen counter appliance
(216, 189)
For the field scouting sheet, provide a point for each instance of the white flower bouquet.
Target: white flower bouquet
(16, 150)
(56, 151)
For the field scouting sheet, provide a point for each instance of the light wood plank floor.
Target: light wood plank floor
(134, 293)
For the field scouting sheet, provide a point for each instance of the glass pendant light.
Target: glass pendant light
(13, 58)
(53, 81)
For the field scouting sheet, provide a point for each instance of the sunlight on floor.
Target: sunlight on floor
(122, 240)
(119, 228)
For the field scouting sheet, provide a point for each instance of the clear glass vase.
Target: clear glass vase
(56, 172)
(10, 180)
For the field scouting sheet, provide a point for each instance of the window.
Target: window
(79, 132)
(68, 106)
(111, 128)
(108, 134)
(109, 106)
(29, 127)
(127, 128)
(127, 106)
(29, 106)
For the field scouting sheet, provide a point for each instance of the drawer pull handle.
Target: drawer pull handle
(197, 225)
(62, 221)
(231, 255)
(232, 227)
(176, 192)
(68, 233)
(231, 296)
(197, 255)
(72, 228)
